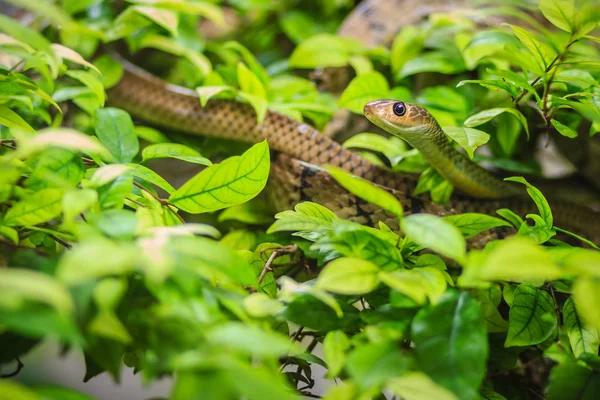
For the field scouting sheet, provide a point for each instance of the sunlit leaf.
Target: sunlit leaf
(363, 89)
(35, 209)
(435, 233)
(418, 386)
(234, 181)
(114, 128)
(451, 343)
(470, 139)
(583, 338)
(349, 276)
(487, 115)
(470, 224)
(532, 318)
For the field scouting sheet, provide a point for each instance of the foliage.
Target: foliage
(108, 255)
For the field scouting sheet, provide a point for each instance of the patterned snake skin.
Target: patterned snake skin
(300, 148)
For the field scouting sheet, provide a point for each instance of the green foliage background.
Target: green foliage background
(200, 282)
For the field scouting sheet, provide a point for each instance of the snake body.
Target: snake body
(302, 147)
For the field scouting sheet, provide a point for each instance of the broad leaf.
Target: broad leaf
(418, 386)
(366, 190)
(363, 89)
(470, 139)
(570, 381)
(583, 338)
(586, 294)
(435, 233)
(35, 209)
(349, 276)
(174, 150)
(115, 130)
(335, 346)
(487, 115)
(451, 343)
(532, 318)
(470, 224)
(324, 50)
(234, 181)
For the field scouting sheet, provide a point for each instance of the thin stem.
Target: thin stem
(18, 246)
(548, 68)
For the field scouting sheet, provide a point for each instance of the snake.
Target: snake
(299, 149)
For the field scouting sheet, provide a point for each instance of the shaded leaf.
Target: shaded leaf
(532, 318)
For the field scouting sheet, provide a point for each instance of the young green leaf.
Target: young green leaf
(470, 224)
(91, 82)
(256, 341)
(165, 18)
(406, 46)
(249, 82)
(562, 13)
(349, 276)
(307, 216)
(586, 294)
(583, 338)
(207, 92)
(419, 284)
(470, 139)
(563, 129)
(335, 346)
(538, 198)
(66, 139)
(174, 150)
(451, 343)
(114, 128)
(234, 181)
(40, 207)
(11, 119)
(324, 50)
(532, 318)
(570, 381)
(18, 284)
(363, 89)
(489, 300)
(418, 386)
(484, 116)
(77, 201)
(366, 190)
(435, 233)
(150, 176)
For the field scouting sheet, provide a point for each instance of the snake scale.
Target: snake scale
(300, 148)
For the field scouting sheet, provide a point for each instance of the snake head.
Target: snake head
(408, 121)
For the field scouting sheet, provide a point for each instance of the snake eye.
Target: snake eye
(399, 109)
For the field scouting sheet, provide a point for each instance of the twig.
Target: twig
(276, 253)
(161, 201)
(548, 68)
(16, 372)
(18, 246)
(556, 308)
(60, 241)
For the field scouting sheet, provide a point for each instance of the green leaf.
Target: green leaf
(18, 285)
(484, 44)
(54, 392)
(514, 259)
(354, 240)
(13, 390)
(110, 69)
(324, 50)
(88, 261)
(249, 82)
(487, 115)
(114, 128)
(56, 167)
(91, 82)
(434, 61)
(532, 318)
(538, 198)
(259, 105)
(435, 233)
(583, 338)
(11, 119)
(234, 181)
(489, 299)
(366, 190)
(363, 89)
(66, 139)
(451, 343)
(373, 364)
(562, 13)
(307, 216)
(542, 53)
(418, 386)
(349, 275)
(470, 139)
(256, 341)
(68, 54)
(586, 294)
(150, 176)
(335, 346)
(470, 224)
(165, 18)
(563, 129)
(419, 283)
(570, 381)
(407, 45)
(40, 207)
(207, 92)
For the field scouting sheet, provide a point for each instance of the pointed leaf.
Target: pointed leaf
(532, 318)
